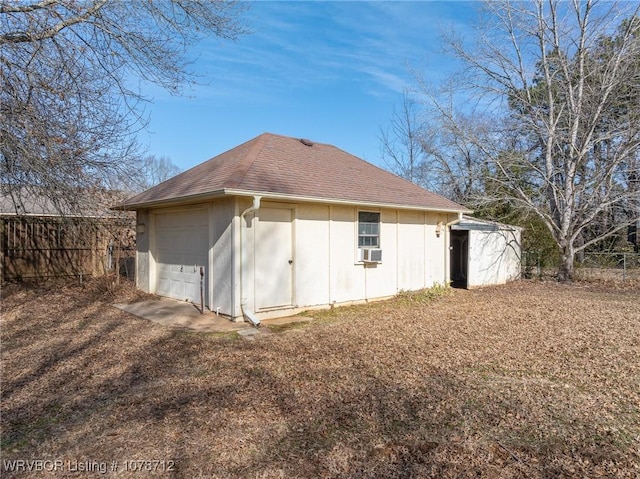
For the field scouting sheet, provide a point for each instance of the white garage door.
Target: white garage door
(182, 244)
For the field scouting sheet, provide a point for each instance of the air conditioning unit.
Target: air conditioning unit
(371, 255)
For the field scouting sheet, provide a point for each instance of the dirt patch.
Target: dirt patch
(532, 379)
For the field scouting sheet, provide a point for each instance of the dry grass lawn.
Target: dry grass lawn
(531, 380)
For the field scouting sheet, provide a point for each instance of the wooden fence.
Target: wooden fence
(35, 248)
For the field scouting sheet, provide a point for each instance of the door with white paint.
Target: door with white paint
(273, 258)
(182, 244)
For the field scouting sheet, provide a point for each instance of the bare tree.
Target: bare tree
(400, 143)
(428, 144)
(152, 171)
(456, 164)
(69, 110)
(545, 65)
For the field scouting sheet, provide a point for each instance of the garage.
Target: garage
(181, 250)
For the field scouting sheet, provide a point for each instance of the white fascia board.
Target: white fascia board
(199, 198)
(314, 199)
(181, 200)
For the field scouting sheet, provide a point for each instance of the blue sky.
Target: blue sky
(328, 71)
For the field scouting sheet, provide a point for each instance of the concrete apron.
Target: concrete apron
(181, 314)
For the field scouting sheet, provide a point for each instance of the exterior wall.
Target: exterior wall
(326, 266)
(143, 256)
(221, 270)
(243, 258)
(238, 206)
(380, 280)
(437, 249)
(347, 279)
(312, 271)
(494, 257)
(411, 249)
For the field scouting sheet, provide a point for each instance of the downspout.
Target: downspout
(246, 312)
(447, 248)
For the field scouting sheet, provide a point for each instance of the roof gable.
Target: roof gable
(282, 166)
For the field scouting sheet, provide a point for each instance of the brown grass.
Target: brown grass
(532, 379)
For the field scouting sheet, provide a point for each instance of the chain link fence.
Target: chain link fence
(588, 266)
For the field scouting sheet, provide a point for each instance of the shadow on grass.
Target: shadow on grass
(83, 381)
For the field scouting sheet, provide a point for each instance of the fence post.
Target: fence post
(624, 266)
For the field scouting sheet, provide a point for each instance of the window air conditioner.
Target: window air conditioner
(371, 255)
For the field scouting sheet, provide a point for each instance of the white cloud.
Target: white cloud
(301, 45)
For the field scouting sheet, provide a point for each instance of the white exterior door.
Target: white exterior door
(182, 244)
(273, 258)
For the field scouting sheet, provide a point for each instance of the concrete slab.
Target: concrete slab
(181, 314)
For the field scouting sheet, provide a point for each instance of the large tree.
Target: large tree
(70, 105)
(561, 80)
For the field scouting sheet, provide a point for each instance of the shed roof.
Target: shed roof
(276, 166)
(36, 202)
(469, 223)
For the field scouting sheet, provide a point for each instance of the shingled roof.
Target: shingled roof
(281, 167)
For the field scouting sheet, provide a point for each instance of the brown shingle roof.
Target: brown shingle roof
(281, 166)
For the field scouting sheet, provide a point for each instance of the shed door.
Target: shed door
(274, 258)
(459, 258)
(182, 244)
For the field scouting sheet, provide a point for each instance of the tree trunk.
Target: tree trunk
(565, 270)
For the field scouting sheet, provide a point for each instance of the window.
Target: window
(368, 229)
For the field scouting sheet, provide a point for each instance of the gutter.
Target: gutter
(246, 312)
(447, 248)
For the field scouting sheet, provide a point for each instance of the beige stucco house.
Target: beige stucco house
(280, 224)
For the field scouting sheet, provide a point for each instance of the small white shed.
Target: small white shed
(484, 253)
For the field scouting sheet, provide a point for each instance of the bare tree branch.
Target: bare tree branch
(566, 77)
(68, 113)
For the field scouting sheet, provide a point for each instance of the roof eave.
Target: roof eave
(314, 199)
(166, 202)
(496, 224)
(193, 199)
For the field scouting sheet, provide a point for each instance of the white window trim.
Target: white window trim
(357, 231)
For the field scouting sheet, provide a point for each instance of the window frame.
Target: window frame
(365, 234)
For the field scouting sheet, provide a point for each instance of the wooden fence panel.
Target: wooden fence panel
(39, 248)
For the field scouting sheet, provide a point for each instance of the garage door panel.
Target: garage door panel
(166, 237)
(182, 244)
(176, 288)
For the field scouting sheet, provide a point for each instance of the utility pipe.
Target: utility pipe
(246, 312)
(447, 248)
